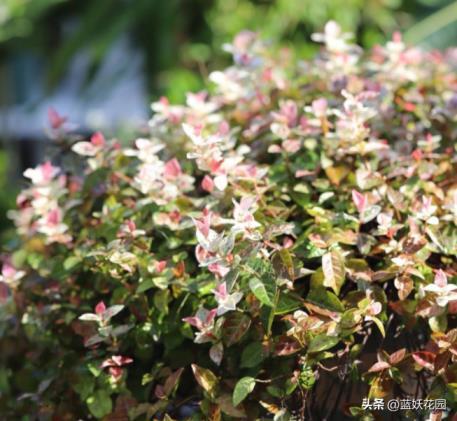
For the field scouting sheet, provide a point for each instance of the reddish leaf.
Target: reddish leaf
(286, 346)
(379, 366)
(425, 359)
(235, 326)
(100, 308)
(172, 381)
(397, 356)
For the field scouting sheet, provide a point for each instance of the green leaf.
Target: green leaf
(84, 386)
(94, 368)
(100, 404)
(333, 269)
(71, 262)
(145, 285)
(259, 289)
(322, 342)
(160, 282)
(325, 299)
(379, 324)
(242, 389)
(287, 261)
(252, 355)
(287, 303)
(160, 299)
(263, 282)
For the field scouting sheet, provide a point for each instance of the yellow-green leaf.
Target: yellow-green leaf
(333, 269)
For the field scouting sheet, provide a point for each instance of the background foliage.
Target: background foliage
(181, 38)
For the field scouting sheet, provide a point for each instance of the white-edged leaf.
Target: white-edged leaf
(370, 213)
(93, 340)
(89, 317)
(112, 311)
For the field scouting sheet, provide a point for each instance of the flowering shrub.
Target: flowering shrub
(294, 229)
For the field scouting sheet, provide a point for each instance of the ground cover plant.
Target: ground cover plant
(282, 247)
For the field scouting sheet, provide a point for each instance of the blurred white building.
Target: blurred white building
(112, 100)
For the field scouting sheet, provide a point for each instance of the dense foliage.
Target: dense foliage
(296, 226)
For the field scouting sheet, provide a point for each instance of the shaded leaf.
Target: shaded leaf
(252, 355)
(205, 378)
(234, 327)
(322, 342)
(225, 403)
(99, 403)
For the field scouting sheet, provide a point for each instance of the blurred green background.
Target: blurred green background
(180, 38)
(62, 51)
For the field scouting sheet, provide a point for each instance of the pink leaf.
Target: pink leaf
(319, 107)
(221, 291)
(425, 359)
(207, 183)
(55, 119)
(440, 278)
(218, 269)
(97, 139)
(172, 169)
(379, 366)
(359, 200)
(160, 266)
(193, 321)
(100, 308)
(211, 315)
